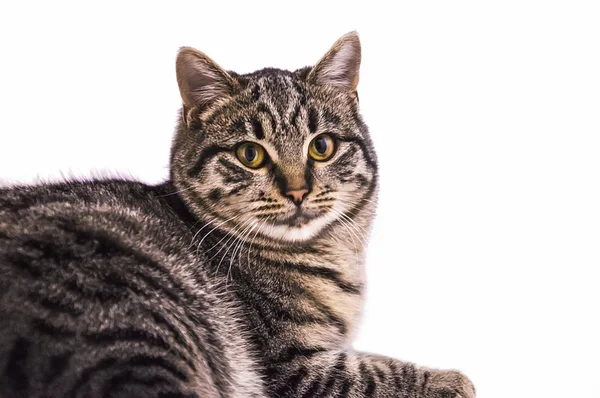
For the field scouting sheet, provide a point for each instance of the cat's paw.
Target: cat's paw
(449, 384)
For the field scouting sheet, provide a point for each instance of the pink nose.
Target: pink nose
(297, 195)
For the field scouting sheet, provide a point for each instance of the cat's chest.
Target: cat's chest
(319, 294)
(340, 288)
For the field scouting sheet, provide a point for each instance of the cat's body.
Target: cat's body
(237, 278)
(101, 276)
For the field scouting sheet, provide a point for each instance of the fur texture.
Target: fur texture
(221, 282)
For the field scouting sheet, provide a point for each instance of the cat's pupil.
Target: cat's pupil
(250, 153)
(321, 145)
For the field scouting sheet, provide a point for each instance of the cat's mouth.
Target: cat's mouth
(299, 219)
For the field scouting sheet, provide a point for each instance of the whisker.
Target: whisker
(209, 232)
(232, 233)
(228, 246)
(353, 221)
(206, 225)
(175, 193)
(353, 241)
(237, 247)
(261, 225)
(355, 225)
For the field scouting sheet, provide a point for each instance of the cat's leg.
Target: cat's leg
(353, 374)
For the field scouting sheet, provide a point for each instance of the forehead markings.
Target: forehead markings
(257, 129)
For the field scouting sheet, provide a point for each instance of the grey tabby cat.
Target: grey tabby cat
(240, 277)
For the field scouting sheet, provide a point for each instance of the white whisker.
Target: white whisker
(206, 225)
(229, 246)
(237, 247)
(175, 193)
(261, 225)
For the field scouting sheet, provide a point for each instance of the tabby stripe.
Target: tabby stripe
(269, 207)
(24, 202)
(262, 313)
(213, 346)
(325, 273)
(117, 280)
(313, 388)
(426, 375)
(328, 312)
(144, 260)
(409, 376)
(363, 147)
(329, 385)
(322, 200)
(160, 320)
(337, 373)
(16, 370)
(313, 120)
(234, 168)
(54, 304)
(204, 156)
(135, 361)
(301, 92)
(235, 180)
(237, 126)
(89, 372)
(255, 92)
(292, 353)
(258, 129)
(24, 263)
(368, 377)
(295, 115)
(263, 109)
(271, 306)
(345, 390)
(87, 292)
(290, 385)
(238, 188)
(171, 394)
(362, 180)
(114, 244)
(325, 192)
(380, 373)
(330, 117)
(114, 336)
(128, 378)
(48, 328)
(58, 365)
(395, 374)
(348, 158)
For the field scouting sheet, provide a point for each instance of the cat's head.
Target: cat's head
(278, 154)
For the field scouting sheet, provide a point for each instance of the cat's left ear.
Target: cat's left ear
(340, 65)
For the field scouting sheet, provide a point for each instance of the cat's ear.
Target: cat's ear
(201, 80)
(340, 65)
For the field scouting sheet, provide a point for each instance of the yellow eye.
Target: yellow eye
(322, 148)
(251, 155)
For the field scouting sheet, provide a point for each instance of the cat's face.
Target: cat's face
(274, 153)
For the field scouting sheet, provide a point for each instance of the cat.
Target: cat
(241, 276)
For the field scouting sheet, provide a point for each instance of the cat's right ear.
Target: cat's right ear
(201, 82)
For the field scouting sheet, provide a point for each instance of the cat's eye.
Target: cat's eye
(251, 155)
(322, 148)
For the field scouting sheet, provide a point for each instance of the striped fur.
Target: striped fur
(215, 283)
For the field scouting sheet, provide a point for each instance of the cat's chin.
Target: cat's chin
(299, 232)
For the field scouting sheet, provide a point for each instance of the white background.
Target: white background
(486, 117)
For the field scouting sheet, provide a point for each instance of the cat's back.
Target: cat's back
(102, 294)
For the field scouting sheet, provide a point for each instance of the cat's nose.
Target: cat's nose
(296, 195)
